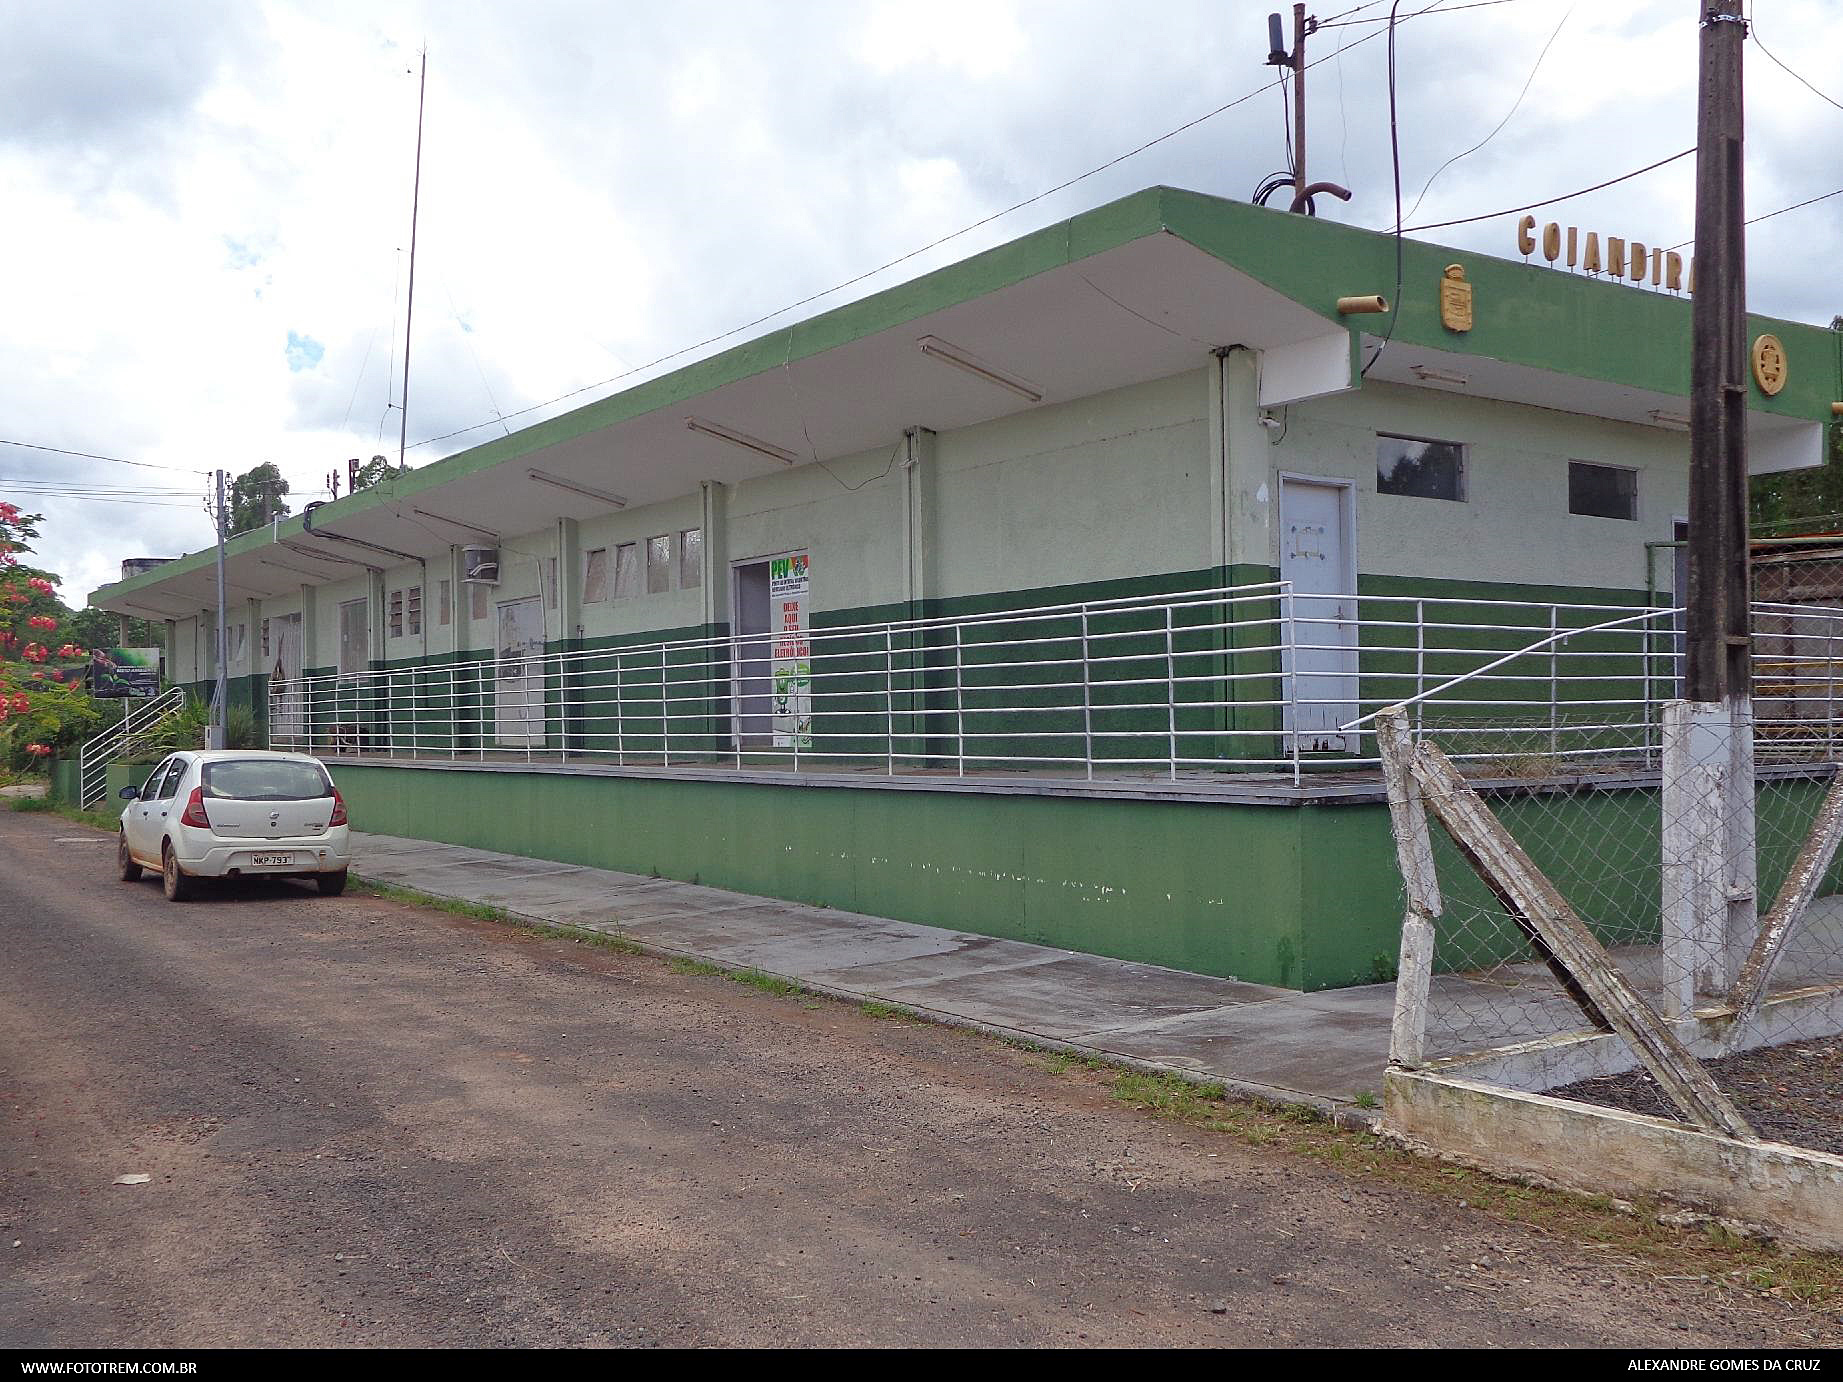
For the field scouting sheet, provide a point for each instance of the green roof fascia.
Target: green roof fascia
(1092, 232)
(1524, 314)
(1527, 314)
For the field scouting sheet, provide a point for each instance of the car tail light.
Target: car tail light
(339, 809)
(194, 814)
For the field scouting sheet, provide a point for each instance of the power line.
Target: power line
(1754, 32)
(1188, 125)
(1550, 201)
(92, 456)
(1515, 106)
(1768, 215)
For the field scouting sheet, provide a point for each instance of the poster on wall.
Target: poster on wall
(788, 585)
(117, 672)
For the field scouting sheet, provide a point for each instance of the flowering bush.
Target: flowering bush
(44, 704)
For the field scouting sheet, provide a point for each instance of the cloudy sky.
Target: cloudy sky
(207, 209)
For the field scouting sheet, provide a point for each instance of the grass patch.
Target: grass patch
(96, 820)
(1707, 1252)
(700, 967)
(872, 1008)
(482, 911)
(390, 892)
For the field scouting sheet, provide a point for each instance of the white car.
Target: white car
(235, 813)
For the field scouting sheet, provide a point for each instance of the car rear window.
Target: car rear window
(257, 780)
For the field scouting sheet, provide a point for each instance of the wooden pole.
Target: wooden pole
(1718, 665)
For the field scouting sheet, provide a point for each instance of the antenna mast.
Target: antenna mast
(409, 314)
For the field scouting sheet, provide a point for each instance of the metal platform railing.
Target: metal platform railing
(139, 718)
(1258, 678)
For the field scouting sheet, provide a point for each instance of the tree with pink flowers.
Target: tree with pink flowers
(44, 706)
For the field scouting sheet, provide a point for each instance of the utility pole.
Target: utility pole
(1718, 644)
(1709, 845)
(214, 733)
(1277, 56)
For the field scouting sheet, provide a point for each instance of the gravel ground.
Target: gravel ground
(362, 1122)
(1789, 1093)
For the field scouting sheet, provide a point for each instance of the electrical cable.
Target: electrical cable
(1753, 28)
(1514, 107)
(1395, 161)
(1566, 196)
(900, 259)
(93, 456)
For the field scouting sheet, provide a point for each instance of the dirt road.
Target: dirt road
(372, 1123)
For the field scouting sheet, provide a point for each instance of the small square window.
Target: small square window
(1420, 469)
(595, 576)
(1602, 491)
(658, 564)
(691, 559)
(626, 570)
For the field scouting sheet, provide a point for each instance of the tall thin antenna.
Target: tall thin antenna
(409, 313)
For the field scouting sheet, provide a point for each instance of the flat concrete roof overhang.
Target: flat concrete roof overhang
(1141, 289)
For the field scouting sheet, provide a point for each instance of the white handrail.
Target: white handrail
(137, 719)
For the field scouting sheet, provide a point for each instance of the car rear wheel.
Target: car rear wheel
(332, 884)
(176, 886)
(131, 871)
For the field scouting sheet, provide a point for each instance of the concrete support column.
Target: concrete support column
(715, 573)
(1709, 905)
(569, 580)
(919, 489)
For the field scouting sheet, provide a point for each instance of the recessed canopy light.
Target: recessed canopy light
(948, 354)
(588, 491)
(1437, 376)
(1664, 419)
(742, 439)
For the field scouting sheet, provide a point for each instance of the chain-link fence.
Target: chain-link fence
(1647, 913)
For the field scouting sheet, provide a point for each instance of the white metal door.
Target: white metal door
(1319, 652)
(518, 717)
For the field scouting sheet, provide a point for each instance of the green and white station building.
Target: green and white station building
(1037, 597)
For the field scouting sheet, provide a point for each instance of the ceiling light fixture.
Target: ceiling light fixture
(587, 491)
(742, 439)
(935, 348)
(1437, 376)
(1664, 419)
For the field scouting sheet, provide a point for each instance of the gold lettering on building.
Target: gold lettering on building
(1627, 260)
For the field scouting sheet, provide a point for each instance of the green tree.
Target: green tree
(256, 496)
(1800, 500)
(372, 471)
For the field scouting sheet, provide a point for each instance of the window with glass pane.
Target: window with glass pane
(1419, 468)
(396, 614)
(595, 576)
(1602, 491)
(691, 558)
(658, 564)
(412, 609)
(626, 570)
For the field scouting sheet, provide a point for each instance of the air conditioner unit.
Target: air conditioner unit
(480, 565)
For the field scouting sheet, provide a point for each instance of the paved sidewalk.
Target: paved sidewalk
(1321, 1048)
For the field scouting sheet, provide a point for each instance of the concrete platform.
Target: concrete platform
(1325, 1049)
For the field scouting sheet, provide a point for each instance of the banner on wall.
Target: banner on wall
(788, 586)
